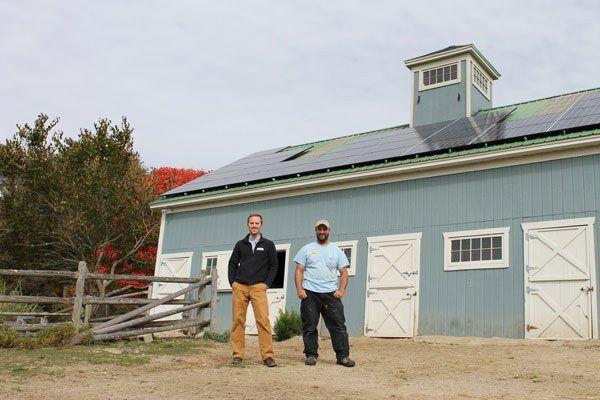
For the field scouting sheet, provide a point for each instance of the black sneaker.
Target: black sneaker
(310, 361)
(346, 362)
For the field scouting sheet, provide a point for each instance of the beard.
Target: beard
(325, 238)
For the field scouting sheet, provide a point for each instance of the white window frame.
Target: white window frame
(423, 87)
(222, 279)
(352, 244)
(486, 94)
(466, 265)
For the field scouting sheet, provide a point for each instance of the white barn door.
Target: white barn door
(177, 265)
(392, 285)
(559, 279)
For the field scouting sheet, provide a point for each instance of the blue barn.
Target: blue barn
(471, 220)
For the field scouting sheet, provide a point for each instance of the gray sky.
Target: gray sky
(207, 82)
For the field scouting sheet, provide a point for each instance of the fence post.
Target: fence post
(213, 298)
(82, 272)
(200, 296)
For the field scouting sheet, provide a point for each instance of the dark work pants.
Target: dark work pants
(332, 311)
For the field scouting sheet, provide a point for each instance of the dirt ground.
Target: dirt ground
(421, 368)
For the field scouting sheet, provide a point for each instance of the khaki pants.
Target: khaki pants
(242, 295)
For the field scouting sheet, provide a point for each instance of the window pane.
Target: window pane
(486, 243)
(476, 243)
(446, 69)
(497, 241)
(440, 72)
(456, 245)
(455, 256)
(486, 255)
(426, 78)
(496, 254)
(348, 252)
(465, 244)
(208, 268)
(465, 255)
(446, 77)
(475, 255)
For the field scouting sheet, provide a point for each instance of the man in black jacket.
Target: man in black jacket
(252, 269)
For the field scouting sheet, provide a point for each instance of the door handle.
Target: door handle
(587, 289)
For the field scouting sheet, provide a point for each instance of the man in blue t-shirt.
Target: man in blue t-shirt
(317, 265)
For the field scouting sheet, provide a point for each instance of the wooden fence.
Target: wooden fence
(140, 321)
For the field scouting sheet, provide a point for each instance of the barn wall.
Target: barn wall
(473, 303)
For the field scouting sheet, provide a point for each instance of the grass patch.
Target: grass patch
(219, 337)
(15, 307)
(18, 362)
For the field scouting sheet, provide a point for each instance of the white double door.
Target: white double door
(560, 300)
(392, 285)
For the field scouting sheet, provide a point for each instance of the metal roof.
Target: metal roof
(520, 123)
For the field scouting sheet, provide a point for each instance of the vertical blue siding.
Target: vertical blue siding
(440, 104)
(478, 100)
(461, 303)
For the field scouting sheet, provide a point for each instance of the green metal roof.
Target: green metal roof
(521, 143)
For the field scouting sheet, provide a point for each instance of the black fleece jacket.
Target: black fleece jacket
(250, 267)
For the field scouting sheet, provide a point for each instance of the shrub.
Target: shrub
(287, 325)
(56, 336)
(220, 337)
(8, 337)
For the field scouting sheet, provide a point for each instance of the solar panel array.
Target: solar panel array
(576, 110)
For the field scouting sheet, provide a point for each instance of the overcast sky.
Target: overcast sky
(207, 82)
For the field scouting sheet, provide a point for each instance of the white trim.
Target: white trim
(476, 162)
(391, 238)
(559, 223)
(217, 254)
(470, 50)
(469, 100)
(444, 63)
(353, 245)
(488, 264)
(563, 223)
(486, 95)
(161, 234)
(412, 99)
(286, 247)
(416, 236)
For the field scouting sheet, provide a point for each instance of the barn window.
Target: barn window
(439, 76)
(477, 249)
(349, 249)
(211, 262)
(481, 82)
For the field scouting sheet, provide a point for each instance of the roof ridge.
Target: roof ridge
(540, 99)
(290, 147)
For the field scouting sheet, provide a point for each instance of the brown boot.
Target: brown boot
(269, 362)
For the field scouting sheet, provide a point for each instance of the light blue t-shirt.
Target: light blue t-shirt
(321, 264)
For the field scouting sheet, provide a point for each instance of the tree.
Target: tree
(159, 180)
(69, 199)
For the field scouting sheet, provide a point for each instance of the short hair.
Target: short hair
(255, 214)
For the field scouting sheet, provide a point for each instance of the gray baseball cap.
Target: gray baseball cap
(323, 222)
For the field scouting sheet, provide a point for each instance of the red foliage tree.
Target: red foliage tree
(160, 180)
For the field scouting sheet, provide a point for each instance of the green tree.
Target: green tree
(69, 199)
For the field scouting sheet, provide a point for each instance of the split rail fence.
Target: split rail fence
(193, 299)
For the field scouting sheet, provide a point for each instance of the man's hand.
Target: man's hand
(302, 294)
(338, 294)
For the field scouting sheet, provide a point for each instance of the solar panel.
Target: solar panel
(570, 111)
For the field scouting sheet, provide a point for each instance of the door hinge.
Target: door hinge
(587, 289)
(530, 290)
(531, 236)
(529, 268)
(530, 327)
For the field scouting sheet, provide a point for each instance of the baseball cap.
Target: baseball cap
(323, 222)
